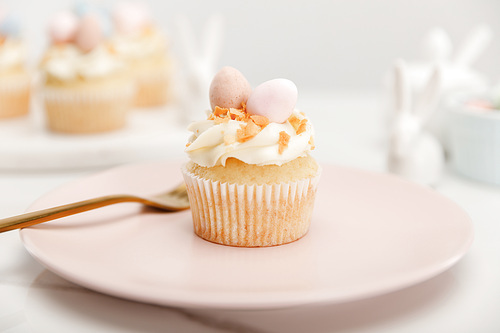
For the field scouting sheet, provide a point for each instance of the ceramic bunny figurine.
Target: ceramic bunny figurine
(199, 64)
(456, 66)
(414, 153)
(473, 46)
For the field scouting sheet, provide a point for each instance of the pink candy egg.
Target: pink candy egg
(274, 99)
(3, 13)
(63, 27)
(130, 18)
(229, 88)
(89, 33)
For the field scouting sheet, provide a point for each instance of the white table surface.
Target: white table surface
(350, 131)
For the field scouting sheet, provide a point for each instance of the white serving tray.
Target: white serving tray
(152, 134)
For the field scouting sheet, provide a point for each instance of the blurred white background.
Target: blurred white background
(336, 44)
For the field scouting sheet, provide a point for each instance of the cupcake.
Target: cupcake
(144, 49)
(86, 88)
(251, 180)
(15, 82)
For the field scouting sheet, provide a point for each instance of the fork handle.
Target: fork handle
(44, 215)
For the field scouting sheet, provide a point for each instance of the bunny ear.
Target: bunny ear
(212, 39)
(437, 45)
(428, 99)
(475, 43)
(401, 88)
(187, 39)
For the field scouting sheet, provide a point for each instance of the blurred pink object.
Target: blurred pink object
(274, 99)
(89, 33)
(480, 103)
(131, 17)
(3, 12)
(63, 27)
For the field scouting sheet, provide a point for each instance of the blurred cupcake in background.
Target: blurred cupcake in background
(86, 87)
(139, 42)
(15, 81)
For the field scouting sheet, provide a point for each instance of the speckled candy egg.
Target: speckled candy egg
(63, 27)
(229, 88)
(274, 99)
(89, 33)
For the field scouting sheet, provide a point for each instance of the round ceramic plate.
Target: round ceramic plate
(370, 234)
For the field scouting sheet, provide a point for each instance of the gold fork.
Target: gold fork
(171, 201)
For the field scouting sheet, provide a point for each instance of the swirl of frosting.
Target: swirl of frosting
(12, 54)
(213, 142)
(69, 63)
(138, 46)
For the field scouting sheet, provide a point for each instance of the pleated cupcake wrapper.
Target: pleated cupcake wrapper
(152, 88)
(160, 75)
(87, 111)
(14, 96)
(250, 215)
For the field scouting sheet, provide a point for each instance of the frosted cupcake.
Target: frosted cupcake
(15, 82)
(87, 89)
(251, 181)
(144, 49)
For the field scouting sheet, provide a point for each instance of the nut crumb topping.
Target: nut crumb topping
(248, 131)
(298, 124)
(311, 142)
(294, 121)
(260, 120)
(253, 124)
(238, 115)
(219, 120)
(302, 128)
(219, 111)
(283, 141)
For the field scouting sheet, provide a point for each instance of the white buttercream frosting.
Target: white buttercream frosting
(12, 53)
(69, 62)
(138, 46)
(207, 145)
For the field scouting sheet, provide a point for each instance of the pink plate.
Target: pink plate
(370, 234)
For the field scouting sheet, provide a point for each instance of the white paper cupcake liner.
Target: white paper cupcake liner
(160, 75)
(15, 96)
(84, 111)
(152, 88)
(250, 215)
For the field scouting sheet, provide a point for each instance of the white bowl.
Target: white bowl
(473, 139)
